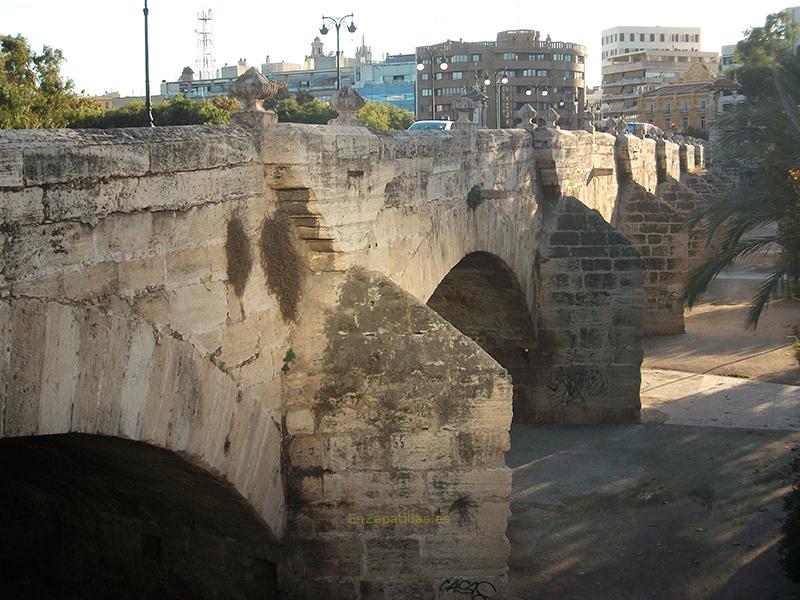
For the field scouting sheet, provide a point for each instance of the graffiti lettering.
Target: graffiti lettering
(575, 384)
(477, 590)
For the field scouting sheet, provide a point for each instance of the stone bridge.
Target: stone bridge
(266, 356)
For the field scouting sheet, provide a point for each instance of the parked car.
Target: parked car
(650, 130)
(431, 126)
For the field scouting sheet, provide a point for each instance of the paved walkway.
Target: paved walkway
(680, 398)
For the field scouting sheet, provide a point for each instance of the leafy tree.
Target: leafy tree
(764, 50)
(176, 111)
(283, 94)
(312, 111)
(762, 139)
(304, 108)
(384, 117)
(32, 92)
(303, 97)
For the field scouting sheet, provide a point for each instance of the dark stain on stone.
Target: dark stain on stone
(238, 254)
(463, 507)
(282, 263)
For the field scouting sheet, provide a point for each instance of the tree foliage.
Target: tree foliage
(384, 117)
(761, 138)
(32, 91)
(763, 50)
(304, 108)
(312, 111)
(175, 111)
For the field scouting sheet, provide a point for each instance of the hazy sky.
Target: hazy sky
(103, 39)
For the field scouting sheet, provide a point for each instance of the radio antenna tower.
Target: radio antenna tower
(205, 46)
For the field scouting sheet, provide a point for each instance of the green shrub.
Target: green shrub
(474, 197)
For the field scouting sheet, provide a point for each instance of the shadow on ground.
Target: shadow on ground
(648, 512)
(716, 342)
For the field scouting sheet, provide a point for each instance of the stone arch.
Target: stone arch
(482, 298)
(89, 516)
(93, 370)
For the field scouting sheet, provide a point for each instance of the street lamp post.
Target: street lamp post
(500, 79)
(147, 102)
(443, 65)
(324, 31)
(535, 89)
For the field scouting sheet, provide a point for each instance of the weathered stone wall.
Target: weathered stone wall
(668, 163)
(117, 314)
(395, 451)
(158, 286)
(255, 298)
(658, 233)
(579, 164)
(687, 158)
(643, 188)
(589, 319)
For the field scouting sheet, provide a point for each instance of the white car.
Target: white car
(431, 126)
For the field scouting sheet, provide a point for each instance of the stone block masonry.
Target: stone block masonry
(399, 475)
(254, 298)
(589, 319)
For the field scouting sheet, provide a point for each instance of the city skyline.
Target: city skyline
(104, 53)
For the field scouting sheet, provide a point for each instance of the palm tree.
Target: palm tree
(762, 138)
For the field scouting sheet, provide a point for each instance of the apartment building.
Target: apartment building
(518, 67)
(623, 40)
(634, 73)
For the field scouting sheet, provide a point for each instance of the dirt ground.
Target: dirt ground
(660, 511)
(648, 512)
(715, 342)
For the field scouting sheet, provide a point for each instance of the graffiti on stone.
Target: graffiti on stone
(575, 384)
(476, 590)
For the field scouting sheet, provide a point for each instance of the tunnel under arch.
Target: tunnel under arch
(482, 298)
(87, 516)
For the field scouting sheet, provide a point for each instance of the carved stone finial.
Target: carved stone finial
(465, 108)
(551, 117)
(251, 89)
(527, 114)
(346, 102)
(588, 121)
(620, 127)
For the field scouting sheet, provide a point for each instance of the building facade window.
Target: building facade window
(702, 107)
(641, 37)
(510, 56)
(631, 37)
(425, 76)
(459, 58)
(476, 58)
(685, 123)
(685, 106)
(536, 57)
(652, 37)
(426, 92)
(458, 75)
(662, 37)
(668, 107)
(702, 123)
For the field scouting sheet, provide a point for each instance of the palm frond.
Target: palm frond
(765, 292)
(700, 277)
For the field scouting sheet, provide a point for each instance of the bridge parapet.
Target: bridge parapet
(290, 262)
